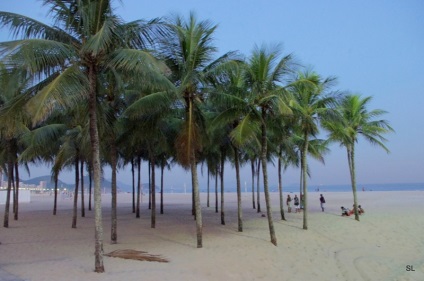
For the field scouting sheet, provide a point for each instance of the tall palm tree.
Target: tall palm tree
(355, 120)
(266, 73)
(87, 38)
(230, 106)
(218, 145)
(309, 104)
(189, 55)
(147, 119)
(282, 136)
(132, 143)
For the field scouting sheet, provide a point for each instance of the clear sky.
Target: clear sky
(375, 48)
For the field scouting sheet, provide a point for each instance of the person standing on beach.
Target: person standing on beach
(322, 202)
(288, 203)
(296, 203)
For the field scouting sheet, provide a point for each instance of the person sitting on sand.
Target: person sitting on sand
(345, 211)
(360, 210)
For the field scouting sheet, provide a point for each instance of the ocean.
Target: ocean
(320, 188)
(367, 187)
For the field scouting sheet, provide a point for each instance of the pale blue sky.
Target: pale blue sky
(373, 47)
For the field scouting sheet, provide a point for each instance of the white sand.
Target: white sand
(389, 237)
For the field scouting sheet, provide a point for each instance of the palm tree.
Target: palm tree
(132, 143)
(282, 136)
(356, 120)
(266, 71)
(218, 148)
(13, 124)
(230, 106)
(86, 40)
(147, 120)
(43, 144)
(309, 104)
(188, 54)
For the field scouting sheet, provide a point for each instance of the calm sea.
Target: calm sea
(366, 187)
(330, 188)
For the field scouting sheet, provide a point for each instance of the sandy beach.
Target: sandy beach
(387, 244)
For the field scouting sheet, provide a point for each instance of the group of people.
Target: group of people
(347, 212)
(299, 203)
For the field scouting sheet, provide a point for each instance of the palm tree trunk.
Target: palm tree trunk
(239, 210)
(280, 189)
(74, 213)
(162, 167)
(13, 190)
(9, 187)
(95, 149)
(153, 189)
(258, 192)
(114, 219)
(16, 199)
(301, 178)
(252, 166)
(55, 193)
(133, 185)
(197, 207)
(82, 189)
(304, 178)
(353, 179)
(90, 171)
(222, 188)
(265, 176)
(150, 186)
(207, 198)
(137, 211)
(216, 188)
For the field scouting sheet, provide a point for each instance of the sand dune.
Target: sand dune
(381, 246)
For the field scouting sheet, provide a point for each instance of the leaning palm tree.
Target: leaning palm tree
(356, 120)
(309, 104)
(67, 60)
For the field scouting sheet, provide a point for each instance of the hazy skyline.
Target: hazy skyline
(374, 48)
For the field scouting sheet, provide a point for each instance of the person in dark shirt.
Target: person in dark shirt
(322, 202)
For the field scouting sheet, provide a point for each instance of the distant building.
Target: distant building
(43, 185)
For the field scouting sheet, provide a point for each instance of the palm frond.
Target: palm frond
(99, 42)
(150, 104)
(141, 34)
(142, 64)
(64, 91)
(40, 56)
(247, 131)
(27, 28)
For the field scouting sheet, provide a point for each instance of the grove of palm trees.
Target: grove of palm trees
(91, 90)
